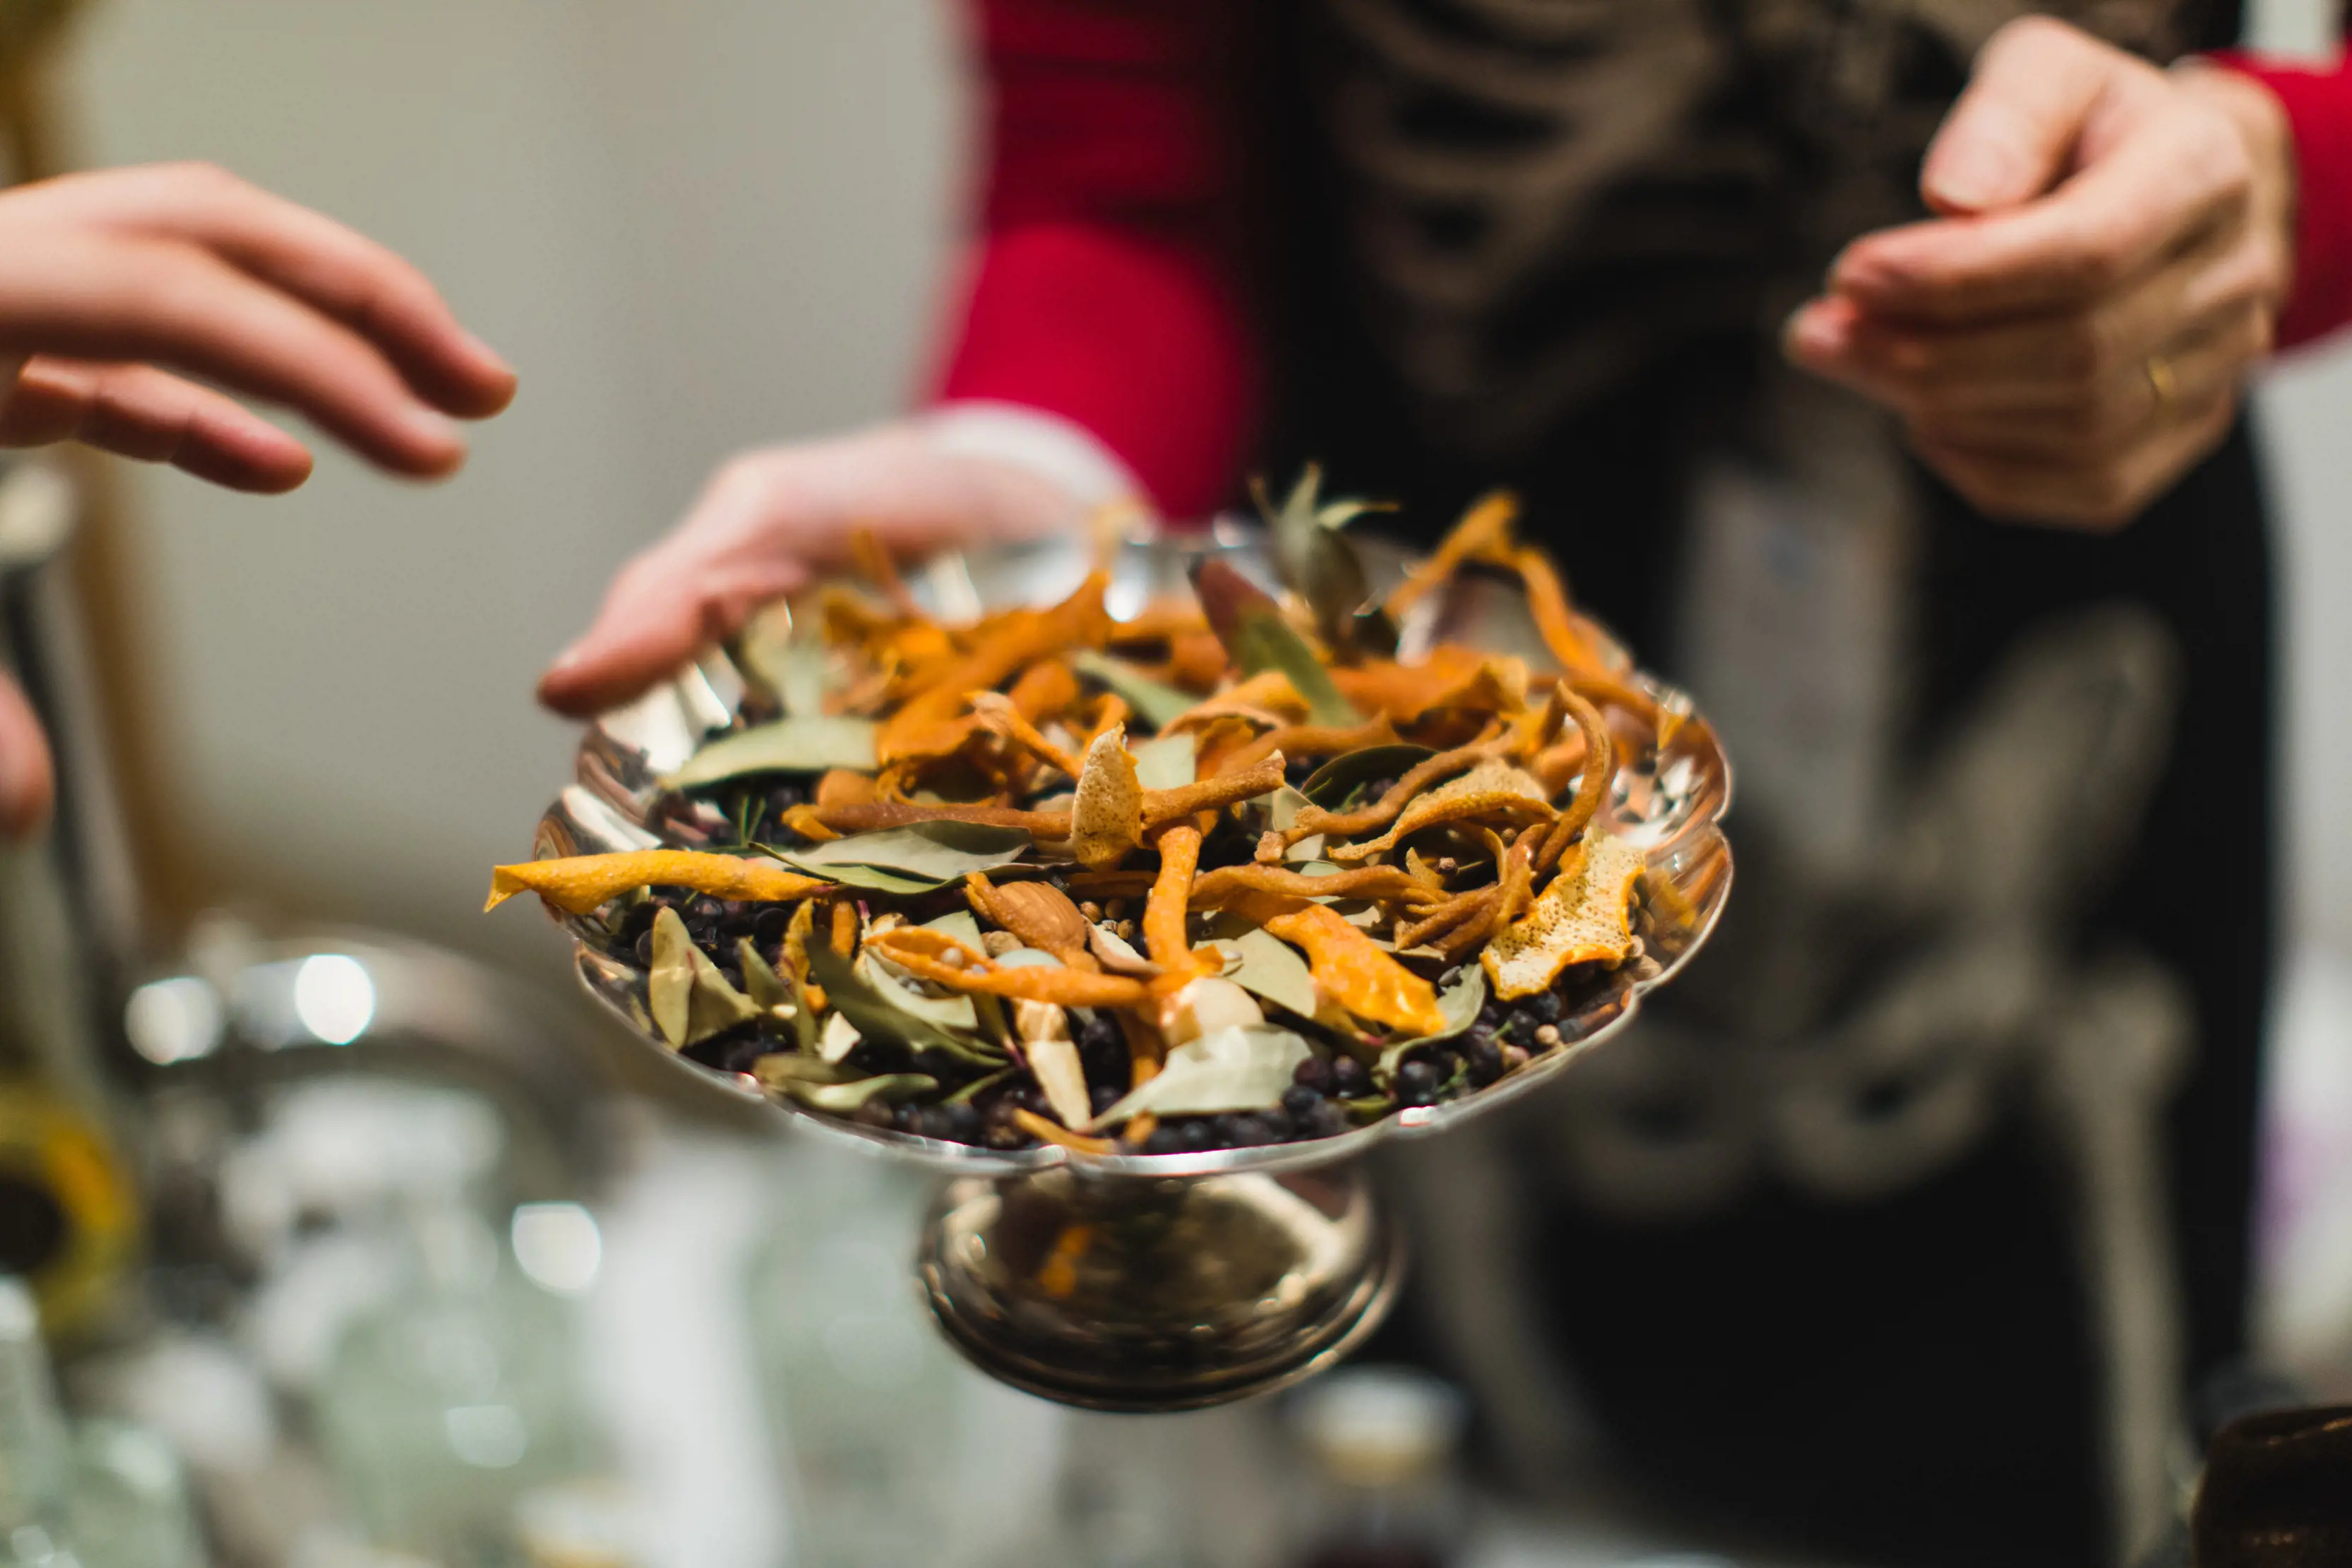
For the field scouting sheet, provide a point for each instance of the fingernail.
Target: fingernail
(1810, 334)
(569, 660)
(1969, 178)
(485, 353)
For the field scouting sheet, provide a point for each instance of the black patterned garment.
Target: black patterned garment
(1907, 1226)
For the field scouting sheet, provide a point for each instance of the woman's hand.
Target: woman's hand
(2071, 336)
(117, 287)
(771, 520)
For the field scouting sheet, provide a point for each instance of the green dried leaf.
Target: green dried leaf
(1156, 702)
(1168, 762)
(689, 998)
(791, 668)
(897, 987)
(1245, 1067)
(766, 988)
(1459, 1002)
(801, 743)
(1319, 564)
(890, 1087)
(1263, 641)
(883, 1015)
(1331, 785)
(1268, 967)
(960, 925)
(839, 1039)
(916, 858)
(965, 1096)
(779, 1068)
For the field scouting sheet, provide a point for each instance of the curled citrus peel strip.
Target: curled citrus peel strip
(1002, 716)
(1049, 1131)
(1309, 740)
(1158, 806)
(579, 884)
(1378, 884)
(1600, 753)
(1492, 792)
(1349, 968)
(940, 958)
(1483, 529)
(1163, 913)
(1381, 813)
(927, 724)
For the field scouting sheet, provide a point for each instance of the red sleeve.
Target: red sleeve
(1103, 285)
(2318, 104)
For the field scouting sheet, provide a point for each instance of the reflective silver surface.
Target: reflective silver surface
(1095, 1347)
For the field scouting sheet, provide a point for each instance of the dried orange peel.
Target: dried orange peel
(580, 885)
(1580, 917)
(1349, 968)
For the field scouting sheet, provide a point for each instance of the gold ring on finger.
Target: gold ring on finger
(2163, 382)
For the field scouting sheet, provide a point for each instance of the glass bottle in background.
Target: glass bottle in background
(35, 1454)
(1380, 1443)
(131, 1506)
(448, 1405)
(860, 1388)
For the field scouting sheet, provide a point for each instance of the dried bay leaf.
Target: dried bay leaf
(1245, 1067)
(798, 743)
(1459, 1002)
(1158, 703)
(689, 998)
(890, 1088)
(915, 858)
(1268, 967)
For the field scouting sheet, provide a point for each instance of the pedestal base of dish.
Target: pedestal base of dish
(1140, 1295)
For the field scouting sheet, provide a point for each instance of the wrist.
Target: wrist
(1057, 451)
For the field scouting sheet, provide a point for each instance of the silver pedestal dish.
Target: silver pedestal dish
(1154, 1281)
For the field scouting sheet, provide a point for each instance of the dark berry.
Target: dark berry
(1299, 771)
(1329, 1122)
(1198, 1135)
(644, 951)
(1485, 1059)
(1245, 1132)
(1300, 1101)
(1544, 1006)
(963, 1125)
(1102, 1097)
(706, 908)
(1490, 1016)
(1416, 1083)
(768, 926)
(1099, 1033)
(908, 1118)
(934, 1122)
(874, 1114)
(1349, 1081)
(1314, 1074)
(1164, 1140)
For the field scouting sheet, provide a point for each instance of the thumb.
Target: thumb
(663, 609)
(27, 783)
(2013, 130)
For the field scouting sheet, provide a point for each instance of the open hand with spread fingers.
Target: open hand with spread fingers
(133, 301)
(2071, 334)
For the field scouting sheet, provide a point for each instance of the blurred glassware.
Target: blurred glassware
(860, 1385)
(1382, 1443)
(130, 1505)
(447, 1405)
